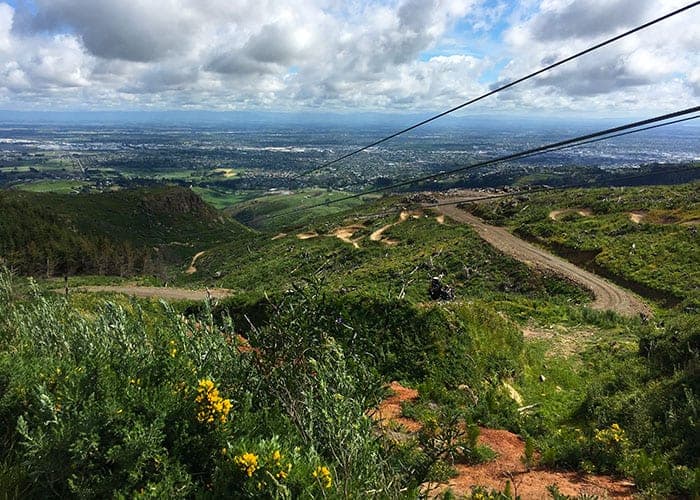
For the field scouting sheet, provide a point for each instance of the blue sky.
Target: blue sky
(395, 56)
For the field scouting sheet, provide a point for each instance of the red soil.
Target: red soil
(508, 466)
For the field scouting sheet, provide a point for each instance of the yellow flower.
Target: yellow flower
(323, 475)
(248, 462)
(276, 456)
(282, 475)
(211, 406)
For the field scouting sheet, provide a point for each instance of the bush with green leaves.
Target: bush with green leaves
(638, 411)
(120, 402)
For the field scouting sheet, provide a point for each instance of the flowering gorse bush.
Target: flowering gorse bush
(211, 407)
(248, 462)
(611, 436)
(323, 475)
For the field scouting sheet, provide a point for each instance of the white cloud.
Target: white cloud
(631, 75)
(367, 54)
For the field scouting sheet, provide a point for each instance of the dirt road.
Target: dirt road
(160, 292)
(607, 295)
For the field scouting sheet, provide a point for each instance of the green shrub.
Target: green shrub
(124, 402)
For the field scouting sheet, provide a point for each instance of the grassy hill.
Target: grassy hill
(122, 232)
(410, 246)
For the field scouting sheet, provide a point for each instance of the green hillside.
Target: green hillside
(268, 393)
(400, 263)
(122, 232)
(644, 237)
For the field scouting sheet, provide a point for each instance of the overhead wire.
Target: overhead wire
(598, 139)
(500, 88)
(509, 157)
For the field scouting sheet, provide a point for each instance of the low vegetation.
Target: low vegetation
(400, 265)
(142, 400)
(269, 393)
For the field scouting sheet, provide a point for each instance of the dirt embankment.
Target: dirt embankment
(528, 483)
(608, 296)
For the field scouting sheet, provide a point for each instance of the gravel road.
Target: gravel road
(608, 296)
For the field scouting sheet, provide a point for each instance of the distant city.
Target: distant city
(220, 159)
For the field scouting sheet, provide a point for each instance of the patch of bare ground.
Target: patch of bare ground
(192, 269)
(307, 236)
(346, 233)
(637, 216)
(440, 219)
(279, 236)
(583, 212)
(168, 293)
(529, 483)
(389, 411)
(663, 217)
(378, 235)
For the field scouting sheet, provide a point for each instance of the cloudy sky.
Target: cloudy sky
(343, 55)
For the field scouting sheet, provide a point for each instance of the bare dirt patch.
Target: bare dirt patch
(307, 236)
(440, 219)
(528, 483)
(390, 409)
(378, 235)
(508, 466)
(637, 216)
(346, 233)
(159, 292)
(192, 269)
(557, 214)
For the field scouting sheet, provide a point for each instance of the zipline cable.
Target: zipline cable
(569, 146)
(514, 156)
(500, 89)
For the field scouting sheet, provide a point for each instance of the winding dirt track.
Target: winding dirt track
(608, 296)
(192, 269)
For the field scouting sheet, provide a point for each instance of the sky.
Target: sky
(345, 56)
